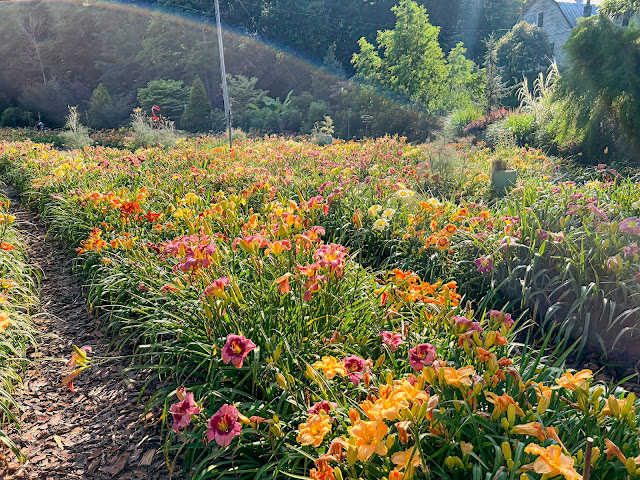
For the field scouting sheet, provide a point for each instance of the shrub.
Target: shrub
(148, 133)
(169, 95)
(478, 126)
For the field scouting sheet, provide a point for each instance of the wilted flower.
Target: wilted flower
(182, 412)
(374, 210)
(505, 318)
(393, 340)
(631, 250)
(216, 289)
(224, 426)
(323, 406)
(236, 349)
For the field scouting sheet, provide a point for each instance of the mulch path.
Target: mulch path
(99, 432)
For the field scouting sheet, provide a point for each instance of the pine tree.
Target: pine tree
(197, 115)
(101, 111)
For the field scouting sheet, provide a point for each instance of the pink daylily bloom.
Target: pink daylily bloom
(223, 426)
(182, 411)
(323, 406)
(355, 366)
(236, 349)
(421, 356)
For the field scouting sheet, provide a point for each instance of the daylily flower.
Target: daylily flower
(501, 404)
(216, 289)
(630, 225)
(551, 462)
(323, 406)
(313, 431)
(183, 411)
(236, 349)
(223, 426)
(421, 356)
(504, 317)
(484, 264)
(533, 429)
(368, 438)
(572, 381)
(283, 283)
(331, 367)
(355, 366)
(5, 321)
(460, 378)
(406, 459)
(393, 340)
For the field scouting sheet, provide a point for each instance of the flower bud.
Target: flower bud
(613, 406)
(505, 424)
(543, 404)
(337, 473)
(631, 466)
(352, 455)
(281, 380)
(511, 414)
(506, 450)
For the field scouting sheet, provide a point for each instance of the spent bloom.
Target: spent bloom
(422, 355)
(224, 426)
(392, 340)
(505, 318)
(183, 410)
(236, 349)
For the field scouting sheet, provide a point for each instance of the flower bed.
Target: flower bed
(238, 276)
(17, 333)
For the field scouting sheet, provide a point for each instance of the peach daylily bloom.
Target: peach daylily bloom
(551, 462)
(368, 438)
(575, 381)
(459, 378)
(283, 283)
(406, 459)
(313, 431)
(613, 450)
(534, 429)
(331, 367)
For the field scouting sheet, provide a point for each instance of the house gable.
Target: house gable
(555, 22)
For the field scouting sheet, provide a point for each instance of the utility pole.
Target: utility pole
(223, 73)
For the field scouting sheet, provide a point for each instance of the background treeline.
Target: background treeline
(56, 55)
(414, 68)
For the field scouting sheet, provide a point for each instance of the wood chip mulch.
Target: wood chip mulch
(99, 432)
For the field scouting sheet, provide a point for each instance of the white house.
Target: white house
(558, 18)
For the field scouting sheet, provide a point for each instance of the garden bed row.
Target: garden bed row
(287, 357)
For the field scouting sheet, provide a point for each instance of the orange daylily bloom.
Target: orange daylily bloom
(542, 390)
(406, 459)
(368, 438)
(283, 283)
(7, 246)
(331, 367)
(313, 431)
(501, 403)
(575, 381)
(5, 321)
(551, 462)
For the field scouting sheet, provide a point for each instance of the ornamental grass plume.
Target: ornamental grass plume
(236, 349)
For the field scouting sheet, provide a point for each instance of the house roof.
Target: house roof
(572, 10)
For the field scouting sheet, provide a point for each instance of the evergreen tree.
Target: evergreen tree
(101, 111)
(197, 115)
(408, 59)
(495, 88)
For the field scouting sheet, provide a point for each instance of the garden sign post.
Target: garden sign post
(223, 73)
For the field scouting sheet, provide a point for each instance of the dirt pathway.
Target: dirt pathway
(95, 433)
